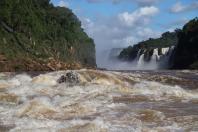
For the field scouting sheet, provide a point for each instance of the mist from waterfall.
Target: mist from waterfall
(156, 60)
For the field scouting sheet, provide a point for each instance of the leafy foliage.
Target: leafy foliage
(186, 53)
(37, 29)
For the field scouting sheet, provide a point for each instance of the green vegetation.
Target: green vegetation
(167, 39)
(186, 53)
(36, 30)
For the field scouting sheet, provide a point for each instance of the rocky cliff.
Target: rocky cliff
(185, 55)
(35, 35)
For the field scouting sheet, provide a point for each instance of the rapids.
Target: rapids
(103, 101)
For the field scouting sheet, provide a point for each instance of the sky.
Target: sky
(120, 23)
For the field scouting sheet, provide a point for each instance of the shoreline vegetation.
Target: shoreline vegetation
(36, 36)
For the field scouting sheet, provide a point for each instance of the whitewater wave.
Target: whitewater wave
(101, 101)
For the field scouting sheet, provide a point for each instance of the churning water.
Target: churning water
(103, 101)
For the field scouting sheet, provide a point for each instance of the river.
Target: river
(102, 101)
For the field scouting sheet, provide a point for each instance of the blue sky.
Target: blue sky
(119, 23)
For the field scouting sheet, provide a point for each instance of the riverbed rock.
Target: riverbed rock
(70, 77)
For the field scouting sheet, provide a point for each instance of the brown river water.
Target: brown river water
(103, 101)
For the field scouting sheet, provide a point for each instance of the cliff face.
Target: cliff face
(185, 55)
(35, 35)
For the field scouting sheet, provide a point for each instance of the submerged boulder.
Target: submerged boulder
(70, 77)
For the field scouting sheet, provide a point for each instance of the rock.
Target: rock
(185, 55)
(70, 77)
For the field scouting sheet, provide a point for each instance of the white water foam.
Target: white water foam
(125, 103)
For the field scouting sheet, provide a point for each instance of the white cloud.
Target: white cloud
(144, 13)
(120, 31)
(94, 1)
(62, 3)
(146, 32)
(139, 2)
(146, 2)
(179, 7)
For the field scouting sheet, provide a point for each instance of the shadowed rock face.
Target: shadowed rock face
(101, 101)
(36, 36)
(186, 53)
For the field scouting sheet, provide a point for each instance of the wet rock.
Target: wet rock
(70, 77)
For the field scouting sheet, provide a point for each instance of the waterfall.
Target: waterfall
(165, 51)
(140, 62)
(138, 54)
(171, 50)
(157, 61)
(155, 57)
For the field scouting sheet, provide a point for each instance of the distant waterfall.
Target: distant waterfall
(138, 54)
(140, 62)
(143, 59)
(165, 50)
(157, 60)
(155, 57)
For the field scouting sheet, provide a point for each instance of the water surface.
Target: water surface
(103, 101)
